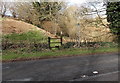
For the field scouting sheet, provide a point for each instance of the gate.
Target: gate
(54, 42)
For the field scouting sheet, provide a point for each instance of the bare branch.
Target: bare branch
(97, 12)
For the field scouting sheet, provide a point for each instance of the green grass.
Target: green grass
(1, 18)
(28, 36)
(8, 55)
(36, 37)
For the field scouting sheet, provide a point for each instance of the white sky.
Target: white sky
(77, 1)
(72, 1)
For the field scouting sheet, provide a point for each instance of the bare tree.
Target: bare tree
(13, 10)
(4, 6)
(48, 11)
(77, 22)
(99, 10)
(25, 12)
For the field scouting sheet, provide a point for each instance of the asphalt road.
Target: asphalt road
(102, 67)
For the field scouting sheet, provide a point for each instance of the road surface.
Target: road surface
(101, 67)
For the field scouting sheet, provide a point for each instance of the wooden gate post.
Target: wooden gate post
(49, 42)
(61, 40)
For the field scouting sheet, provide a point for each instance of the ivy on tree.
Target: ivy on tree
(113, 17)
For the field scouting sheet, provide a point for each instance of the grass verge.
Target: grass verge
(7, 55)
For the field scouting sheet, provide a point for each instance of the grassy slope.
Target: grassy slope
(36, 36)
(10, 26)
(25, 37)
(19, 31)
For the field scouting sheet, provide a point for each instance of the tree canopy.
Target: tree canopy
(47, 10)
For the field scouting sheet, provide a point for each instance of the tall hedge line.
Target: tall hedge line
(113, 17)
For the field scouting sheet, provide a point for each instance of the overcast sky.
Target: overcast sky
(71, 2)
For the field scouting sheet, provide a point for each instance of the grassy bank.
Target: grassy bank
(34, 44)
(8, 55)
